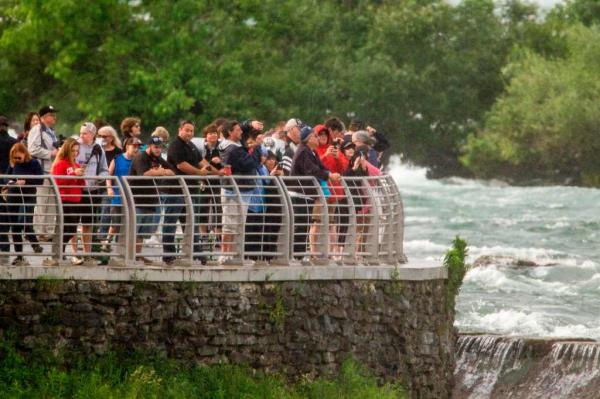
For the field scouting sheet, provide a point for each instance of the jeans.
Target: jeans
(105, 217)
(174, 210)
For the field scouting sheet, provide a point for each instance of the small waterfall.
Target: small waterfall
(490, 366)
(480, 361)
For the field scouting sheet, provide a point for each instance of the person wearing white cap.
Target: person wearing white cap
(42, 144)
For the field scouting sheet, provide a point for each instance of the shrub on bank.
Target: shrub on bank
(138, 376)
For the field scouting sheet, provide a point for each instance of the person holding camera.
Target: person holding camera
(332, 157)
(43, 145)
(210, 197)
(359, 166)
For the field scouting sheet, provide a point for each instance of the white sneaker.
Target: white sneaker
(152, 241)
(49, 262)
(76, 261)
(227, 261)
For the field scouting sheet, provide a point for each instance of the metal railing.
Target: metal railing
(199, 220)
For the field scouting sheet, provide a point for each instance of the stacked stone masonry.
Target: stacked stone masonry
(398, 329)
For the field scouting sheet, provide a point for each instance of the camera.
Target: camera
(59, 142)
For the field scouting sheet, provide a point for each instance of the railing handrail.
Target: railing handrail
(372, 204)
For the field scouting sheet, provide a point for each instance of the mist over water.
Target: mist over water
(556, 227)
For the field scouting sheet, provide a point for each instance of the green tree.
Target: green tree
(545, 125)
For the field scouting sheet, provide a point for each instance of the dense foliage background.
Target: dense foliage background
(493, 89)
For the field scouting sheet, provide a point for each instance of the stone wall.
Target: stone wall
(398, 329)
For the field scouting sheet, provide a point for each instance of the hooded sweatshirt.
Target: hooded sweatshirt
(242, 162)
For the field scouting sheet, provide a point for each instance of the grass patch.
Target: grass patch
(141, 376)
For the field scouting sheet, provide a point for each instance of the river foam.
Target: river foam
(552, 231)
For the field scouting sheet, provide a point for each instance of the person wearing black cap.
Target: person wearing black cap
(6, 143)
(42, 144)
(145, 195)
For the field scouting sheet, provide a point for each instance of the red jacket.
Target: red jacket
(70, 189)
(334, 165)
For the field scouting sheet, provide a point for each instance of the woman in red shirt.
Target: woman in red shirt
(332, 157)
(70, 189)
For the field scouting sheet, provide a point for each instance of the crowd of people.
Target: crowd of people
(245, 150)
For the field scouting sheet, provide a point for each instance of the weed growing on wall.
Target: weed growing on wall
(454, 261)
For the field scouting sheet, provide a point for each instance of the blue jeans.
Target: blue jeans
(174, 210)
(105, 217)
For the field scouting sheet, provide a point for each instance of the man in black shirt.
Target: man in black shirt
(187, 160)
(145, 191)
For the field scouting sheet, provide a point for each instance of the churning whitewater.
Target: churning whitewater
(537, 251)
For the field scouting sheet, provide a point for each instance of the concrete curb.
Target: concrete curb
(412, 271)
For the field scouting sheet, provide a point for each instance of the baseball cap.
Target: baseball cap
(292, 123)
(155, 140)
(305, 133)
(47, 109)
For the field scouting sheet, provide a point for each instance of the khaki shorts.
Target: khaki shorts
(234, 214)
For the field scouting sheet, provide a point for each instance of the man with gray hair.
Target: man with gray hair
(42, 144)
(292, 130)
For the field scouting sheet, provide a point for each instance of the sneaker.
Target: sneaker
(89, 261)
(169, 261)
(144, 260)
(152, 241)
(45, 238)
(227, 261)
(20, 261)
(37, 248)
(105, 246)
(76, 261)
(50, 262)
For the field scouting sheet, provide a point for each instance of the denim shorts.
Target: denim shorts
(147, 218)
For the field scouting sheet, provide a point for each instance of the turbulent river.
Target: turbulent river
(556, 229)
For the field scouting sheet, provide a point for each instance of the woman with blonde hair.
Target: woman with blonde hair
(21, 197)
(70, 189)
(111, 144)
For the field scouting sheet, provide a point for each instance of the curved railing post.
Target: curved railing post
(131, 231)
(57, 241)
(285, 239)
(190, 229)
(399, 221)
(372, 243)
(349, 248)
